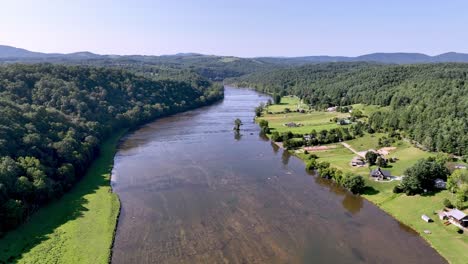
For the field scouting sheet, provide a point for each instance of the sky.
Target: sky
(245, 28)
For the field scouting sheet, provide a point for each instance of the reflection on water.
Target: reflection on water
(194, 191)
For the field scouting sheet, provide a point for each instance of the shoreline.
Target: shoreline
(388, 212)
(88, 212)
(83, 222)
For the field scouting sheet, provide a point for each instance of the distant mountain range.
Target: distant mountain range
(12, 54)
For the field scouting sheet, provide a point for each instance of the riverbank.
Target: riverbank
(406, 209)
(77, 228)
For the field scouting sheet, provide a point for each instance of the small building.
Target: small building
(458, 217)
(462, 167)
(380, 174)
(426, 218)
(331, 109)
(307, 137)
(440, 184)
(442, 215)
(358, 161)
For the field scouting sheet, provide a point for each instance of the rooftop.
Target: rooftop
(457, 214)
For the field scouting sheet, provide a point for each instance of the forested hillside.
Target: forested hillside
(428, 102)
(53, 118)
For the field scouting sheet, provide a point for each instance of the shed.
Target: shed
(442, 215)
(426, 218)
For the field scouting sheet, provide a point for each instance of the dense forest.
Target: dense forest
(53, 118)
(427, 102)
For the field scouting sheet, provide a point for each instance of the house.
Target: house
(358, 161)
(307, 137)
(439, 184)
(458, 217)
(380, 174)
(463, 167)
(331, 109)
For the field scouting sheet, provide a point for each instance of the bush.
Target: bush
(397, 189)
(447, 203)
(263, 123)
(354, 183)
(311, 165)
(275, 136)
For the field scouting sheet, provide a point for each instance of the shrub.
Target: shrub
(397, 189)
(447, 203)
(354, 183)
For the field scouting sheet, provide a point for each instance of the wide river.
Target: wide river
(193, 191)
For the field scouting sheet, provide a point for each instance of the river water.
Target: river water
(193, 191)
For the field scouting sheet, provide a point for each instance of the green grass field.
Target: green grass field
(77, 228)
(310, 120)
(291, 102)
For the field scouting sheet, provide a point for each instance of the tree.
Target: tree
(371, 157)
(259, 110)
(381, 162)
(356, 113)
(354, 183)
(421, 176)
(237, 124)
(277, 98)
(447, 203)
(457, 178)
(275, 137)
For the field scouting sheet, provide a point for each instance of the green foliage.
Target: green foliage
(53, 119)
(275, 137)
(354, 183)
(237, 124)
(428, 102)
(259, 110)
(277, 98)
(371, 157)
(381, 162)
(447, 203)
(421, 176)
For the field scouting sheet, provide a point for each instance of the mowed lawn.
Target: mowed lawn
(291, 102)
(77, 228)
(408, 210)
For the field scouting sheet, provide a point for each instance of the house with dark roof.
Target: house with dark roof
(380, 174)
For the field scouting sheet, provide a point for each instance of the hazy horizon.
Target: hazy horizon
(235, 28)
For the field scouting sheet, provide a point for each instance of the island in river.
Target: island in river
(194, 191)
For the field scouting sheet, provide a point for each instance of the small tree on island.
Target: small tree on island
(237, 124)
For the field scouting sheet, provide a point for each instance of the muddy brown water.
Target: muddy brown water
(193, 191)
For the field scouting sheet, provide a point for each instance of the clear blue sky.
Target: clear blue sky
(239, 27)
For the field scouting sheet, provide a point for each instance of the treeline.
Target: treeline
(427, 102)
(53, 118)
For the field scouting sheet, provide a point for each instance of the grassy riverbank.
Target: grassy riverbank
(77, 228)
(406, 209)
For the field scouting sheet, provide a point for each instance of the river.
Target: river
(192, 191)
